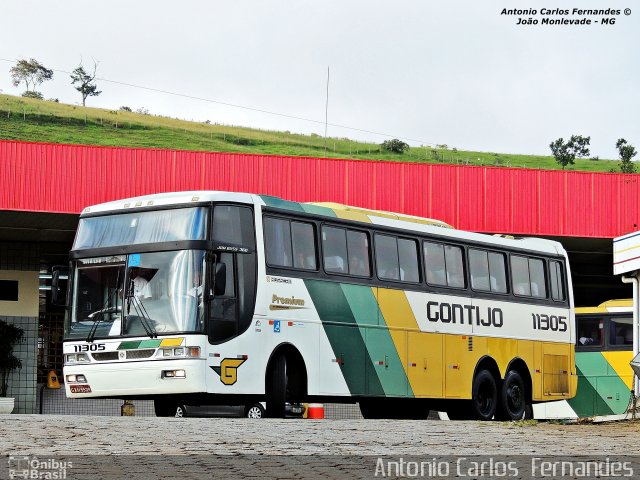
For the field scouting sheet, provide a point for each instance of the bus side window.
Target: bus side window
(303, 239)
(408, 260)
(621, 332)
(479, 269)
(387, 257)
(277, 233)
(498, 272)
(520, 275)
(589, 332)
(557, 280)
(434, 263)
(455, 266)
(235, 225)
(536, 273)
(334, 248)
(358, 251)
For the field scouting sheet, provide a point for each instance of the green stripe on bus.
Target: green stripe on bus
(130, 345)
(592, 369)
(276, 202)
(613, 392)
(344, 335)
(136, 344)
(385, 361)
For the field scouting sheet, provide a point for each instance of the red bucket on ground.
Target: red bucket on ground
(315, 411)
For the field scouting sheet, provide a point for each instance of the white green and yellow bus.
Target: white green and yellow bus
(604, 345)
(216, 297)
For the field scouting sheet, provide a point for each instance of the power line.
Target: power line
(244, 107)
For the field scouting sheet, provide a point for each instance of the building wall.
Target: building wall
(19, 261)
(66, 178)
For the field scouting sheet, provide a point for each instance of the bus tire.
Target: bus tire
(277, 387)
(513, 397)
(484, 396)
(528, 412)
(254, 411)
(164, 407)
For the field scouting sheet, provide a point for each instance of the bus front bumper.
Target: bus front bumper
(135, 378)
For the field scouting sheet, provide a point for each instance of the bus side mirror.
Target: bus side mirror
(220, 279)
(59, 285)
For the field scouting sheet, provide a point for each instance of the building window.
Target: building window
(8, 290)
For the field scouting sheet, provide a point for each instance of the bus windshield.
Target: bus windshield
(141, 227)
(137, 294)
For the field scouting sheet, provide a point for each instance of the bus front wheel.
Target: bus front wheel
(277, 388)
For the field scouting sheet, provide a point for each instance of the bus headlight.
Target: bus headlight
(76, 358)
(179, 352)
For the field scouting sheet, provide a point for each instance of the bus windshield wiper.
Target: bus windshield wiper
(142, 314)
(99, 314)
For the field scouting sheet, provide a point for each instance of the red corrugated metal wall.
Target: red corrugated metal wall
(66, 178)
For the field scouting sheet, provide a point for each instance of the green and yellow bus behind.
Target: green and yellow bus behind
(604, 341)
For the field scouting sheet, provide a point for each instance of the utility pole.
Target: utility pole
(326, 114)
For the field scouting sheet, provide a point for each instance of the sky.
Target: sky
(452, 72)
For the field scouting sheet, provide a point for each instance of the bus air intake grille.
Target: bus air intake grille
(470, 344)
(136, 354)
(105, 356)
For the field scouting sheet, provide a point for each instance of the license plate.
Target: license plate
(80, 388)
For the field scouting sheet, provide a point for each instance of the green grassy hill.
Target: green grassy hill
(46, 121)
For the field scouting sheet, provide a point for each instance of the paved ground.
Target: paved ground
(68, 435)
(109, 439)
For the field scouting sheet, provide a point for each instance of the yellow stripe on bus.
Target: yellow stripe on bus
(171, 342)
(619, 361)
(421, 352)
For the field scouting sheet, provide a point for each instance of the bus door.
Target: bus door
(231, 278)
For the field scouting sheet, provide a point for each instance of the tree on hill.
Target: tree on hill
(395, 146)
(566, 153)
(85, 82)
(32, 73)
(627, 152)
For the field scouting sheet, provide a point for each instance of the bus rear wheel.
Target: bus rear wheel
(277, 387)
(484, 396)
(513, 398)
